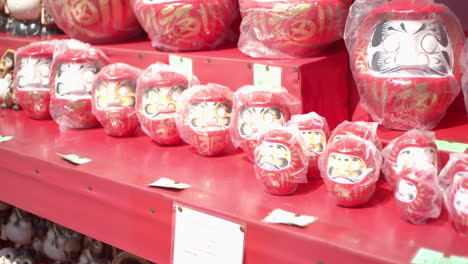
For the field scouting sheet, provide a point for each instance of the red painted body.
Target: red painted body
(459, 218)
(456, 167)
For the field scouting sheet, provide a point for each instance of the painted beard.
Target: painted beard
(408, 156)
(209, 116)
(346, 169)
(461, 201)
(253, 118)
(161, 103)
(315, 140)
(115, 95)
(34, 74)
(406, 191)
(406, 48)
(274, 156)
(75, 80)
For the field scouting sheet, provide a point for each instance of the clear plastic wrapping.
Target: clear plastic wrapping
(74, 70)
(297, 28)
(33, 64)
(465, 75)
(315, 133)
(405, 58)
(281, 159)
(417, 193)
(365, 130)
(405, 151)
(456, 202)
(203, 118)
(114, 99)
(257, 107)
(456, 168)
(350, 168)
(181, 25)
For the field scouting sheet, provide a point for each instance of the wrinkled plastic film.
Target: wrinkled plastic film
(456, 168)
(456, 202)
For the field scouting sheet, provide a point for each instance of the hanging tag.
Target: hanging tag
(181, 64)
(279, 216)
(73, 158)
(265, 75)
(451, 146)
(168, 183)
(5, 138)
(428, 256)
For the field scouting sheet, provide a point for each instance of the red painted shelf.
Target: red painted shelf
(109, 199)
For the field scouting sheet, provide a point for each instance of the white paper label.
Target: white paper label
(5, 138)
(73, 158)
(279, 216)
(184, 65)
(265, 75)
(168, 183)
(428, 256)
(200, 238)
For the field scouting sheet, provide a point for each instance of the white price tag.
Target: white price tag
(181, 64)
(265, 75)
(200, 238)
(428, 256)
(73, 158)
(279, 216)
(168, 183)
(5, 138)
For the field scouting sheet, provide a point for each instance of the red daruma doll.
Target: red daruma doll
(405, 57)
(32, 78)
(281, 160)
(365, 130)
(315, 132)
(290, 28)
(456, 168)
(350, 168)
(158, 89)
(403, 153)
(74, 70)
(114, 99)
(257, 107)
(456, 202)
(203, 118)
(417, 193)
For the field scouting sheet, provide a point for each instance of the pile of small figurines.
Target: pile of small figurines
(28, 239)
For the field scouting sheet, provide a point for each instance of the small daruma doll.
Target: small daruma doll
(114, 99)
(365, 130)
(456, 168)
(177, 25)
(74, 70)
(32, 78)
(350, 168)
(257, 107)
(281, 160)
(315, 132)
(405, 57)
(417, 193)
(404, 152)
(158, 89)
(204, 117)
(282, 28)
(456, 202)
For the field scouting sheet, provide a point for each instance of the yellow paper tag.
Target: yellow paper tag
(451, 146)
(181, 64)
(427, 256)
(265, 75)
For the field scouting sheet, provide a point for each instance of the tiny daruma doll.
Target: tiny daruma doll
(456, 168)
(365, 130)
(158, 89)
(257, 107)
(417, 193)
(456, 202)
(405, 57)
(32, 78)
(350, 168)
(114, 99)
(403, 153)
(74, 70)
(315, 132)
(281, 160)
(7, 65)
(204, 117)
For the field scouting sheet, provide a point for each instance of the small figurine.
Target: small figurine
(30, 18)
(20, 228)
(74, 70)
(5, 212)
(60, 244)
(203, 118)
(315, 132)
(350, 168)
(257, 107)
(406, 60)
(24, 259)
(7, 65)
(8, 255)
(114, 99)
(158, 89)
(456, 168)
(281, 160)
(32, 78)
(95, 252)
(456, 202)
(365, 130)
(403, 152)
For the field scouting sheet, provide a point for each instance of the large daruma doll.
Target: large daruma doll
(456, 202)
(114, 99)
(158, 89)
(405, 57)
(177, 25)
(299, 28)
(257, 107)
(32, 78)
(204, 117)
(74, 70)
(95, 21)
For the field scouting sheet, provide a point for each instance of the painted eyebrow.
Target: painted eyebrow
(423, 27)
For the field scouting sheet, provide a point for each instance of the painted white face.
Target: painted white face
(406, 191)
(209, 116)
(461, 201)
(24, 9)
(274, 156)
(315, 140)
(408, 157)
(408, 48)
(8, 255)
(34, 74)
(75, 80)
(251, 119)
(161, 103)
(347, 169)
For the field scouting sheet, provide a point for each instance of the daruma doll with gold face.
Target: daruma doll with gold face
(281, 160)
(405, 57)
(456, 202)
(95, 21)
(176, 25)
(158, 89)
(257, 107)
(114, 99)
(350, 168)
(32, 78)
(204, 117)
